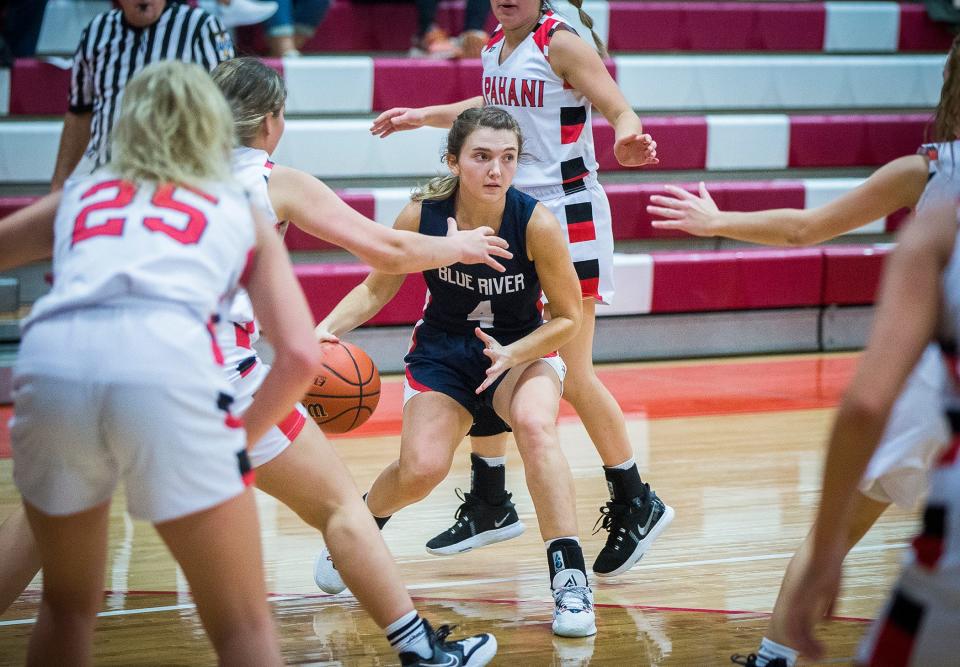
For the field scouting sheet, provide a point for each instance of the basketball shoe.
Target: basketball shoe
(573, 614)
(478, 524)
(751, 661)
(325, 574)
(472, 651)
(633, 526)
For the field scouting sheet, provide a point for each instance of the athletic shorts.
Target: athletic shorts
(279, 437)
(455, 365)
(919, 623)
(586, 219)
(915, 434)
(133, 394)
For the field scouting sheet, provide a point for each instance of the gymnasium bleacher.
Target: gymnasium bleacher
(774, 104)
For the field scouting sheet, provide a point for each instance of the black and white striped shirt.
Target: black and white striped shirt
(111, 51)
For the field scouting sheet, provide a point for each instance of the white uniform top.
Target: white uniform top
(554, 118)
(118, 243)
(238, 330)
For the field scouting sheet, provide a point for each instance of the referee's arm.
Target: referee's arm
(213, 44)
(76, 123)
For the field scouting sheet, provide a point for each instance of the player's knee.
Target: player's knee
(423, 475)
(535, 434)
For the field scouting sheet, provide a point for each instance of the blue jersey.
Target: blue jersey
(462, 297)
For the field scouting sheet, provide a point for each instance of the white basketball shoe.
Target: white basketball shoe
(325, 574)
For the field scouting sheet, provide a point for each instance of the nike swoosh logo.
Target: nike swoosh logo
(642, 532)
(497, 524)
(451, 661)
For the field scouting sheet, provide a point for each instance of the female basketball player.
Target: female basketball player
(898, 471)
(295, 474)
(481, 347)
(118, 376)
(552, 100)
(920, 290)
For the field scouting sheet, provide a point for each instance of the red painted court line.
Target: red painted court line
(662, 391)
(513, 601)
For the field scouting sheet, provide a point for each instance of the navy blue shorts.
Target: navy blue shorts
(454, 365)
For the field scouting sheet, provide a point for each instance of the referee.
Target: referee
(113, 48)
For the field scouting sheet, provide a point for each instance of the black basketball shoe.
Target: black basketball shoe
(473, 651)
(633, 527)
(751, 660)
(478, 524)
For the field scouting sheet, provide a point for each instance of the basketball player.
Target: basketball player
(294, 474)
(920, 290)
(118, 374)
(481, 349)
(898, 471)
(552, 97)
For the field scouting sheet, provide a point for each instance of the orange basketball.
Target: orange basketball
(347, 390)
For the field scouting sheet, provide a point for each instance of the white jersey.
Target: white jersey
(238, 330)
(118, 242)
(554, 118)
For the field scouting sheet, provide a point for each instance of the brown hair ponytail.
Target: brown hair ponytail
(946, 118)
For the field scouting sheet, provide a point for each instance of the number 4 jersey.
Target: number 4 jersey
(462, 297)
(117, 243)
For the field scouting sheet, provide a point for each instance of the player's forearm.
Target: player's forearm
(626, 122)
(548, 338)
(443, 115)
(783, 227)
(358, 306)
(73, 142)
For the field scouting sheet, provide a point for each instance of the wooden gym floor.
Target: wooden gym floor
(734, 446)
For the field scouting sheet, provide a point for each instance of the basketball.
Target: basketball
(347, 390)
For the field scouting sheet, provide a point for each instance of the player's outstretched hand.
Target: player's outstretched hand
(811, 599)
(479, 246)
(396, 120)
(685, 211)
(636, 150)
(324, 336)
(500, 361)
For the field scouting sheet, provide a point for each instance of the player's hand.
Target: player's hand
(397, 120)
(811, 599)
(636, 150)
(685, 211)
(323, 335)
(479, 246)
(500, 361)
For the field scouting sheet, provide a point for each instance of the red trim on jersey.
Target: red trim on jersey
(248, 266)
(578, 177)
(928, 549)
(893, 646)
(552, 354)
(217, 352)
(590, 287)
(569, 134)
(292, 424)
(250, 477)
(543, 33)
(249, 369)
(494, 39)
(578, 232)
(233, 422)
(243, 333)
(269, 164)
(949, 456)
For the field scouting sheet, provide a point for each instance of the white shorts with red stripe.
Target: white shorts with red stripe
(916, 432)
(112, 394)
(585, 217)
(919, 625)
(278, 438)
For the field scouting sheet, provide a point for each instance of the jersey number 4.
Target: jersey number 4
(163, 198)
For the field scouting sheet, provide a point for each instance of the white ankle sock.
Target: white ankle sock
(626, 465)
(408, 634)
(771, 650)
(494, 461)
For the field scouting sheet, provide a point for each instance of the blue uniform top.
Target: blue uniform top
(461, 296)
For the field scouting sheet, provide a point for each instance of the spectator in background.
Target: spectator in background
(235, 13)
(21, 21)
(294, 24)
(113, 48)
(431, 41)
